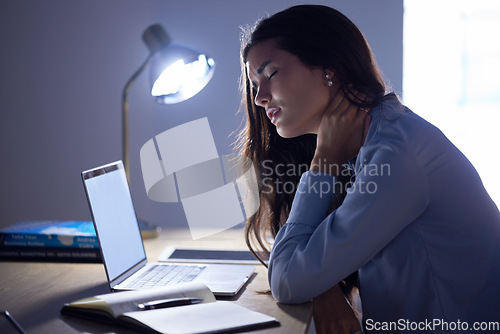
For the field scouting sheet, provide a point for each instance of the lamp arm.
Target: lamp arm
(125, 107)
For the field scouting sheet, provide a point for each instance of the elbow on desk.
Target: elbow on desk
(284, 296)
(287, 292)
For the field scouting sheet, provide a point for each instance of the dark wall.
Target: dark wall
(62, 70)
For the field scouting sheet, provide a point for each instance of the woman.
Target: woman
(384, 199)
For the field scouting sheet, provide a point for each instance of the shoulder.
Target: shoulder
(394, 121)
(397, 128)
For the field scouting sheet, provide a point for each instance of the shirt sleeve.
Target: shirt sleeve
(312, 251)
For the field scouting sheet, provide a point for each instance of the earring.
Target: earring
(328, 77)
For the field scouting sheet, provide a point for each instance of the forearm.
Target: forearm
(292, 247)
(306, 261)
(313, 251)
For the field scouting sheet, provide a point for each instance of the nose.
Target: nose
(262, 97)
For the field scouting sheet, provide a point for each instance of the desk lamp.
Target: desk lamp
(177, 73)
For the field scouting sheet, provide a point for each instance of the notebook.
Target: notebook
(122, 248)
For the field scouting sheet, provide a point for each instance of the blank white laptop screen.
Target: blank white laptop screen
(121, 243)
(114, 217)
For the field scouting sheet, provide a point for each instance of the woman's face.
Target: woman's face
(294, 95)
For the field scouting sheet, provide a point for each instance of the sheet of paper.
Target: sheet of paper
(201, 318)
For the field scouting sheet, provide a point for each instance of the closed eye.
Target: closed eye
(272, 75)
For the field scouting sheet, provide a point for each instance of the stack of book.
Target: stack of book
(55, 241)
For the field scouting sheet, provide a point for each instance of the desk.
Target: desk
(34, 292)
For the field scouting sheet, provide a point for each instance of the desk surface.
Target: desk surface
(34, 292)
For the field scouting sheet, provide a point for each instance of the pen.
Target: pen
(13, 322)
(163, 303)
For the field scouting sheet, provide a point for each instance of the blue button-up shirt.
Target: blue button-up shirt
(417, 224)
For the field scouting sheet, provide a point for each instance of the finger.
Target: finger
(362, 103)
(335, 104)
(361, 119)
(361, 97)
(351, 112)
(348, 107)
(356, 96)
(354, 107)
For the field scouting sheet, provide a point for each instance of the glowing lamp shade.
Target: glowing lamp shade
(177, 72)
(182, 79)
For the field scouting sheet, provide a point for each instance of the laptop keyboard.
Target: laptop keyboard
(162, 275)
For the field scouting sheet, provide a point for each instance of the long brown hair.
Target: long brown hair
(319, 36)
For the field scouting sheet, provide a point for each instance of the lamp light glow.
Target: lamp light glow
(181, 81)
(177, 72)
(169, 82)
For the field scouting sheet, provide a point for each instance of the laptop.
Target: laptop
(122, 248)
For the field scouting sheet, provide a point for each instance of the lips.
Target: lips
(272, 114)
